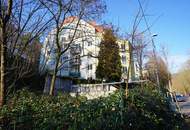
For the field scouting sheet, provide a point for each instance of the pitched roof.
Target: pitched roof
(70, 19)
(98, 28)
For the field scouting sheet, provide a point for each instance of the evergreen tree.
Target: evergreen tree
(109, 65)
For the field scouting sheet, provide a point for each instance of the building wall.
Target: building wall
(126, 53)
(61, 84)
(86, 40)
(92, 91)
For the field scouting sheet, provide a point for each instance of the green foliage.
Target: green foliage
(85, 81)
(143, 109)
(109, 65)
(152, 109)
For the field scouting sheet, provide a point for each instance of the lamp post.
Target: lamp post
(155, 58)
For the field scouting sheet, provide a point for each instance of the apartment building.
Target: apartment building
(80, 59)
(127, 58)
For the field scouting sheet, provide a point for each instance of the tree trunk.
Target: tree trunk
(52, 86)
(129, 72)
(2, 78)
(141, 73)
(3, 46)
(3, 64)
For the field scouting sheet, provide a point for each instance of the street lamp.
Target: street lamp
(155, 58)
(155, 35)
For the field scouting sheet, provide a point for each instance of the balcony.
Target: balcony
(75, 62)
(74, 74)
(75, 49)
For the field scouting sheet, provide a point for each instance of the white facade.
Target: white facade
(80, 60)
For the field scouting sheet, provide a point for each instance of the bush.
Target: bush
(144, 108)
(153, 109)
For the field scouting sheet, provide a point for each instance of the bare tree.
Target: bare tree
(140, 53)
(137, 38)
(5, 14)
(165, 56)
(21, 23)
(181, 79)
(140, 38)
(152, 66)
(60, 10)
(137, 47)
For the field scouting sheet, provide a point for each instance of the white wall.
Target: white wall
(88, 39)
(85, 34)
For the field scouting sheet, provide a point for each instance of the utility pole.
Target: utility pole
(153, 44)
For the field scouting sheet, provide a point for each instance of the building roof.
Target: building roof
(69, 19)
(97, 27)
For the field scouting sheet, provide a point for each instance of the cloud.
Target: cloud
(176, 62)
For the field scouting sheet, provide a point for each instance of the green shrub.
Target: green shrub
(144, 108)
(153, 109)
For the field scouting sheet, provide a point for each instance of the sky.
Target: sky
(170, 19)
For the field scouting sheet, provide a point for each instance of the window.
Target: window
(53, 40)
(65, 68)
(48, 52)
(123, 58)
(122, 47)
(89, 78)
(89, 54)
(90, 67)
(70, 37)
(89, 43)
(64, 58)
(63, 39)
(136, 65)
(77, 46)
(65, 45)
(77, 59)
(124, 69)
(78, 35)
(76, 69)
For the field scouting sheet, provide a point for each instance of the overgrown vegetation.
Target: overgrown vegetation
(144, 108)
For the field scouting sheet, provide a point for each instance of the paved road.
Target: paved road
(185, 107)
(185, 110)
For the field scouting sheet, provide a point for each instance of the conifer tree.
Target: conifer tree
(109, 65)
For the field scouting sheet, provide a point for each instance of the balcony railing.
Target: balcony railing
(75, 62)
(75, 49)
(74, 74)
